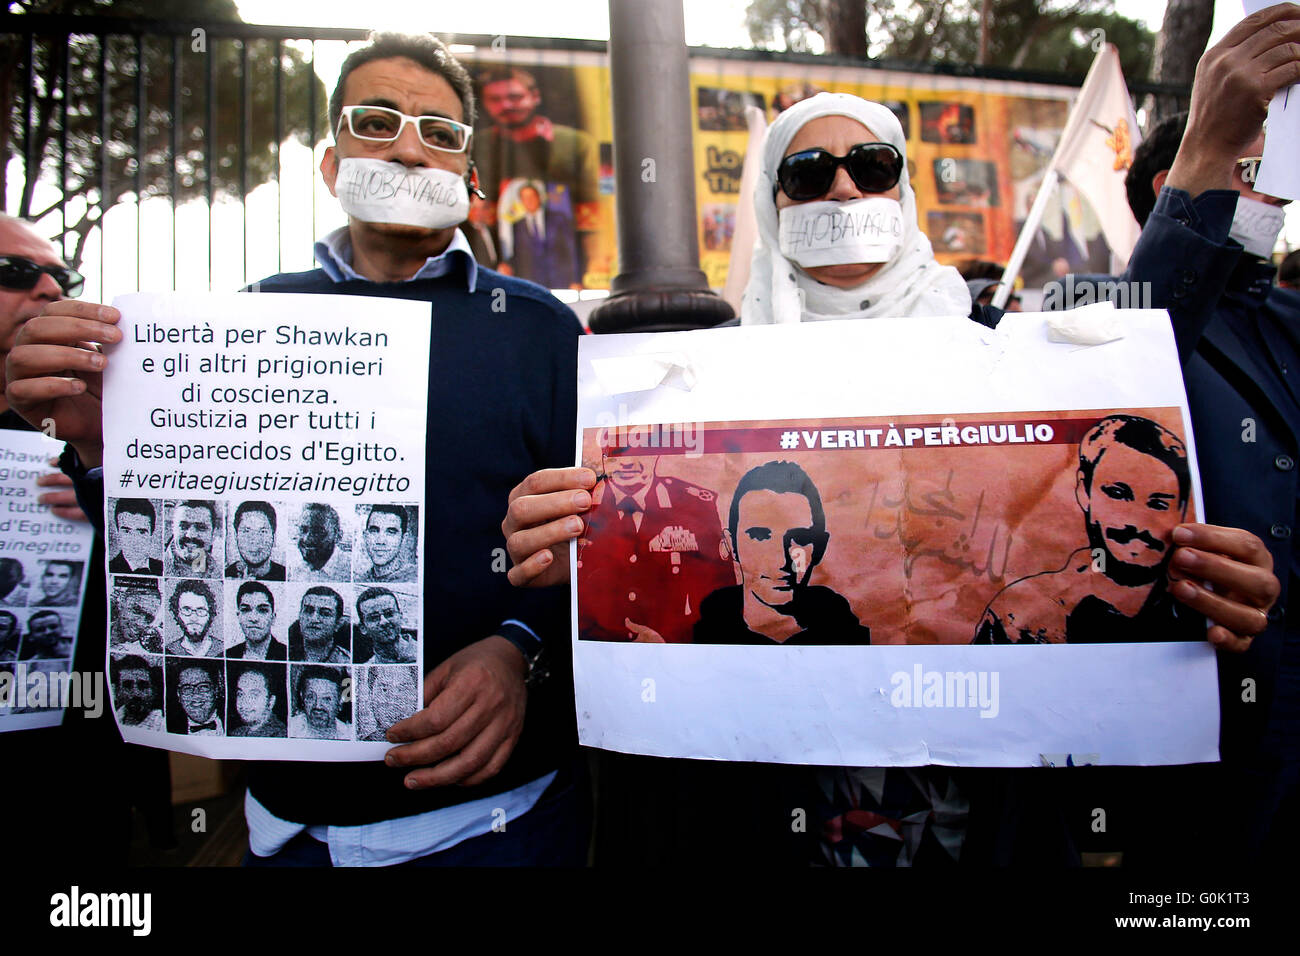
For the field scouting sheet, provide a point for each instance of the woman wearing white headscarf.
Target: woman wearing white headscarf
(828, 167)
(886, 268)
(909, 282)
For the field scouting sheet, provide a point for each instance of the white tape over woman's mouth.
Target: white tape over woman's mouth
(833, 233)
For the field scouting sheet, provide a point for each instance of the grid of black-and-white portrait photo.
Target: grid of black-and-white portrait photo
(40, 582)
(387, 545)
(137, 683)
(386, 693)
(250, 618)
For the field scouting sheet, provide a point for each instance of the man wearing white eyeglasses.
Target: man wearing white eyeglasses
(399, 136)
(474, 781)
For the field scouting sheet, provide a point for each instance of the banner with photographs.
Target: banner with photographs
(264, 489)
(542, 148)
(43, 560)
(924, 542)
(977, 151)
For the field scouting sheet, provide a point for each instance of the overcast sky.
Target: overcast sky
(708, 22)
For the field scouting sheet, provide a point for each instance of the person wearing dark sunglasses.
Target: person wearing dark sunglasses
(809, 173)
(829, 161)
(18, 272)
(834, 150)
(31, 276)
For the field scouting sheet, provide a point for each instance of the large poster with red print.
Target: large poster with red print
(958, 554)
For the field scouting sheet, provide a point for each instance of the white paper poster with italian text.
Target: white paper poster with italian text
(264, 516)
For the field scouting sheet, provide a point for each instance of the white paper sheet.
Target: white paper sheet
(314, 405)
(43, 568)
(1279, 171)
(890, 703)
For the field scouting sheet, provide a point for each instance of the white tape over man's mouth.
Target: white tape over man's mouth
(374, 190)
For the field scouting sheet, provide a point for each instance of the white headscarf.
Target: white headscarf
(911, 283)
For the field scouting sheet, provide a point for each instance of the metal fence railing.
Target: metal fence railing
(184, 155)
(138, 145)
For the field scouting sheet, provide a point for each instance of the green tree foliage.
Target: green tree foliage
(1049, 35)
(102, 170)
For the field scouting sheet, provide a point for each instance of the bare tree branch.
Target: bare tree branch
(1179, 45)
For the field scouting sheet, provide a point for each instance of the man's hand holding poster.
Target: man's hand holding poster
(264, 505)
(889, 562)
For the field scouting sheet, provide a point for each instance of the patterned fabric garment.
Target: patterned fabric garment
(890, 816)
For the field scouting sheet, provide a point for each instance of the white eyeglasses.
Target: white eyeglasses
(379, 124)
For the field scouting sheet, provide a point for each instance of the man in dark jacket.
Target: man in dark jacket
(1191, 186)
(59, 822)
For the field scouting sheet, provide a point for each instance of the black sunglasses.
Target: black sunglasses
(17, 272)
(808, 174)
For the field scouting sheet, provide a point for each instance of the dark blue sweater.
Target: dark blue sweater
(502, 403)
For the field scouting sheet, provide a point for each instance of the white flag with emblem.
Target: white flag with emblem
(1096, 149)
(1093, 155)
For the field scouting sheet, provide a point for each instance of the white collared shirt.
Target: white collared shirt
(334, 253)
(390, 842)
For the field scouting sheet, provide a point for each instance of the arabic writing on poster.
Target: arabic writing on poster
(884, 543)
(918, 524)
